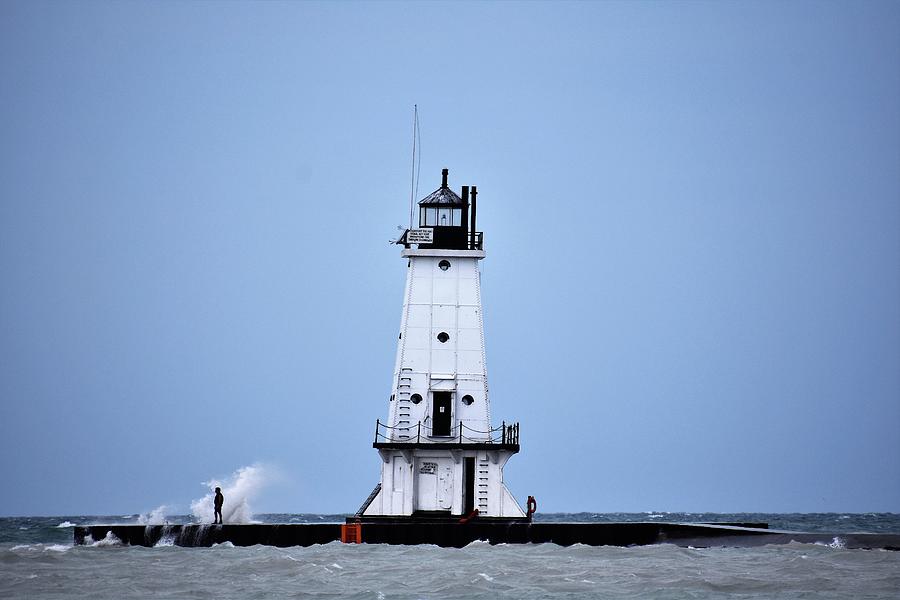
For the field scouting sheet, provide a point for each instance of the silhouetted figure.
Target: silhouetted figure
(217, 504)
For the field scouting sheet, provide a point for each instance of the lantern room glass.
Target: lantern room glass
(432, 216)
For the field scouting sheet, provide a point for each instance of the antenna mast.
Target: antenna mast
(416, 164)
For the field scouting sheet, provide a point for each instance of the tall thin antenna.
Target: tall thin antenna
(418, 150)
(416, 164)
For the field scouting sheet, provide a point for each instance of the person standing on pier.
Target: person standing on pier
(217, 504)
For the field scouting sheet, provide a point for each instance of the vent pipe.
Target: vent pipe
(444, 173)
(472, 245)
(465, 213)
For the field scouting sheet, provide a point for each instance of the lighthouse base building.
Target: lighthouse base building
(441, 457)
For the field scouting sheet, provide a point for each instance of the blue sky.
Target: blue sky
(691, 212)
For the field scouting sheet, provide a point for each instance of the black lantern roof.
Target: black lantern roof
(444, 196)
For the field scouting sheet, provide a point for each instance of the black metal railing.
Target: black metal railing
(460, 433)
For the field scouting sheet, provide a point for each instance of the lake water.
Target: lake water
(38, 560)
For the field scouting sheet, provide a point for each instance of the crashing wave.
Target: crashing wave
(837, 542)
(109, 540)
(157, 516)
(243, 485)
(165, 541)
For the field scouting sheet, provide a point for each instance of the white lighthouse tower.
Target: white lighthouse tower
(441, 456)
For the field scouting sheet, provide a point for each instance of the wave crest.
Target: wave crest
(157, 516)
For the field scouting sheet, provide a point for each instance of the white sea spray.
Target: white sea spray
(41, 547)
(109, 540)
(157, 516)
(243, 486)
(165, 541)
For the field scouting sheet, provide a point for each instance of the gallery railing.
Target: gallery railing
(459, 433)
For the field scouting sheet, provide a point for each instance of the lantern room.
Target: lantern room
(450, 217)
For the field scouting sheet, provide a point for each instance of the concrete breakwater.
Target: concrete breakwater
(456, 535)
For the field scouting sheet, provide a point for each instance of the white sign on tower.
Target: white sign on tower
(420, 236)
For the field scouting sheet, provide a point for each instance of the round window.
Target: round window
(443, 337)
(468, 400)
(416, 398)
(444, 265)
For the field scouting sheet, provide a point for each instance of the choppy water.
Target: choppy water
(37, 560)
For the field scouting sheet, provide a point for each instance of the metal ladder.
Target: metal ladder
(404, 391)
(481, 494)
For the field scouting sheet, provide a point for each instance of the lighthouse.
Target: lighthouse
(441, 456)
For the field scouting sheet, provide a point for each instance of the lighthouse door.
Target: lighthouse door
(427, 484)
(445, 486)
(441, 414)
(469, 474)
